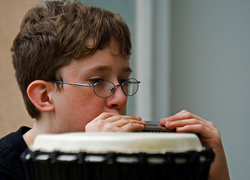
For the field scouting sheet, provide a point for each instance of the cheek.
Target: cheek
(85, 111)
(86, 107)
(78, 108)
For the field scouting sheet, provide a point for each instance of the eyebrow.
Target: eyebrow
(108, 68)
(127, 69)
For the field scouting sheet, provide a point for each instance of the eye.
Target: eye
(96, 80)
(122, 80)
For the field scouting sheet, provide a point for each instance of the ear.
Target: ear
(39, 93)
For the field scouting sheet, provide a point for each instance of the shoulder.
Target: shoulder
(11, 147)
(13, 142)
(5, 146)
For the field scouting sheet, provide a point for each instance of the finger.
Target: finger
(122, 126)
(193, 128)
(113, 122)
(121, 117)
(103, 116)
(132, 127)
(114, 117)
(185, 122)
(98, 123)
(208, 136)
(184, 114)
(123, 121)
(106, 115)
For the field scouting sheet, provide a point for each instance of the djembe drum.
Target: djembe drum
(117, 156)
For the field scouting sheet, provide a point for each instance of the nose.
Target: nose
(118, 100)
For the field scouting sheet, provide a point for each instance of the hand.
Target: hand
(185, 121)
(113, 122)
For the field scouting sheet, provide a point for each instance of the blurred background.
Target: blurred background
(189, 54)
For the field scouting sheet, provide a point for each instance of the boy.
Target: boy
(72, 66)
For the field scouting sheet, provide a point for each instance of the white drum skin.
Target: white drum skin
(117, 156)
(117, 142)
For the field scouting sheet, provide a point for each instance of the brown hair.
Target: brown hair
(54, 34)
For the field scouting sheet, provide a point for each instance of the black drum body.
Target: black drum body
(190, 165)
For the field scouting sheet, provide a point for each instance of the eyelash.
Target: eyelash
(100, 79)
(122, 80)
(96, 80)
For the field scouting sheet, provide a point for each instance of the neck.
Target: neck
(40, 126)
(29, 137)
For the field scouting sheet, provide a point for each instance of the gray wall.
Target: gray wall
(211, 70)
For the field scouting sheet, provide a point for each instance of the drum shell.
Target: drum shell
(189, 165)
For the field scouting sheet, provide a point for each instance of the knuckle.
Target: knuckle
(212, 124)
(217, 132)
(194, 121)
(104, 114)
(99, 123)
(187, 114)
(108, 127)
(201, 126)
(184, 111)
(130, 124)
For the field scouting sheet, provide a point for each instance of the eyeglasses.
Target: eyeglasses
(105, 88)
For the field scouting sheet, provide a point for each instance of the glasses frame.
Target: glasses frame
(112, 89)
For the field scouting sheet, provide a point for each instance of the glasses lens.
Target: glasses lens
(104, 89)
(130, 86)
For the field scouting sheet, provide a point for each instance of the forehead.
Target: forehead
(106, 60)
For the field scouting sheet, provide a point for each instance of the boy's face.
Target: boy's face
(75, 106)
